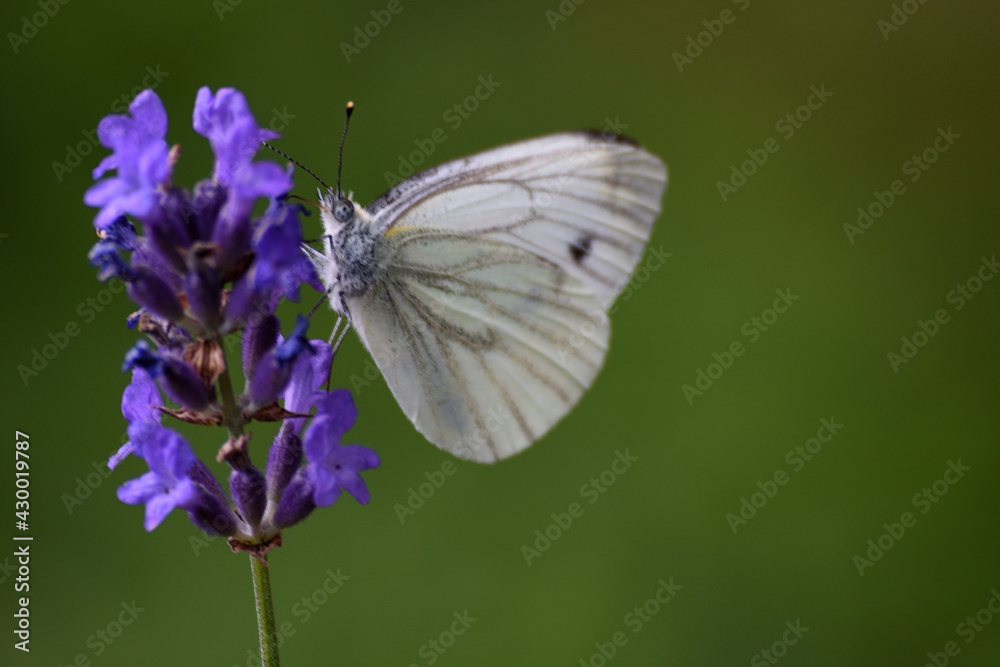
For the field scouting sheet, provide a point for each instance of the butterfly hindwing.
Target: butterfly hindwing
(484, 345)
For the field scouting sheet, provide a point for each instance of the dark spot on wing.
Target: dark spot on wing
(579, 250)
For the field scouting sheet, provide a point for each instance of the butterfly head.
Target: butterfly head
(343, 210)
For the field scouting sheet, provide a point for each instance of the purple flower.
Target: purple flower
(167, 484)
(201, 268)
(181, 382)
(225, 119)
(274, 370)
(333, 466)
(139, 406)
(311, 372)
(141, 156)
(281, 264)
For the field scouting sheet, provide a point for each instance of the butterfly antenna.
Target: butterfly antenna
(343, 137)
(298, 164)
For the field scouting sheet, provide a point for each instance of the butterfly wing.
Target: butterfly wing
(490, 321)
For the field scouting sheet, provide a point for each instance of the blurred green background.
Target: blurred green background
(708, 91)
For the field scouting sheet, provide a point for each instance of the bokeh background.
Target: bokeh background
(700, 84)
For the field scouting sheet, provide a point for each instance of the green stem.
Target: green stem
(267, 629)
(266, 625)
(230, 412)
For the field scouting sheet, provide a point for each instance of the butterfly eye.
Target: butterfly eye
(344, 210)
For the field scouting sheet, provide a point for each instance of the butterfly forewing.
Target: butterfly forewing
(584, 200)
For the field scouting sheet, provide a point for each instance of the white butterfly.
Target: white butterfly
(481, 286)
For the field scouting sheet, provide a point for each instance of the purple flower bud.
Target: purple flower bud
(214, 516)
(109, 262)
(206, 202)
(184, 385)
(296, 502)
(204, 292)
(274, 370)
(283, 461)
(260, 336)
(232, 236)
(178, 380)
(150, 291)
(166, 248)
(121, 233)
(250, 493)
